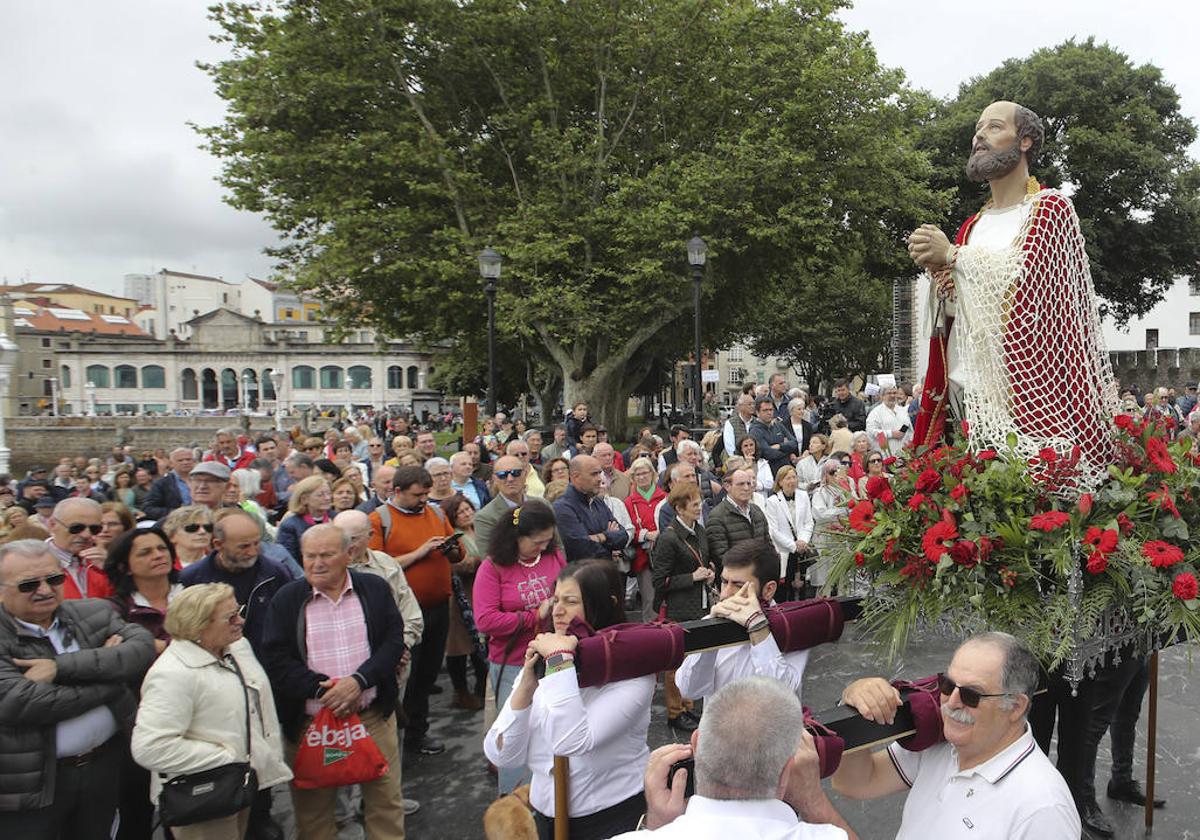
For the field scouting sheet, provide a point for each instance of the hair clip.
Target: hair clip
(516, 516)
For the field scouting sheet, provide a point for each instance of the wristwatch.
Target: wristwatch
(559, 661)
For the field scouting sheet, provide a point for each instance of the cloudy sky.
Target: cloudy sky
(101, 176)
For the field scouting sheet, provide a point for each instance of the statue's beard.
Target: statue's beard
(990, 165)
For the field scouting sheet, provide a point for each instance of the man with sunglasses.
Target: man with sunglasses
(521, 450)
(66, 706)
(74, 526)
(989, 776)
(511, 477)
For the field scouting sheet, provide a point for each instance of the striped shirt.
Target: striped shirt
(335, 634)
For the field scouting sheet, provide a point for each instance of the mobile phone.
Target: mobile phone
(904, 428)
(451, 541)
(688, 764)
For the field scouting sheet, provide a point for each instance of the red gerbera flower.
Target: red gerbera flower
(1102, 540)
(933, 541)
(1159, 456)
(1161, 554)
(876, 484)
(916, 500)
(917, 570)
(862, 518)
(960, 492)
(928, 481)
(1184, 588)
(1049, 521)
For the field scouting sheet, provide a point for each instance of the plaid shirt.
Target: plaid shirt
(336, 636)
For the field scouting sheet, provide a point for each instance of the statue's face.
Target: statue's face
(995, 149)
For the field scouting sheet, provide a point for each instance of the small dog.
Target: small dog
(510, 817)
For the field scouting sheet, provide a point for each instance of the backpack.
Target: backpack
(385, 517)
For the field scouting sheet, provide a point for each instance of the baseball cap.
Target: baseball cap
(216, 470)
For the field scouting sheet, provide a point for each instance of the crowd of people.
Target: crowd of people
(169, 613)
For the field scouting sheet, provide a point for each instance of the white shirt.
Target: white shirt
(747, 819)
(1015, 795)
(601, 729)
(887, 420)
(82, 733)
(703, 674)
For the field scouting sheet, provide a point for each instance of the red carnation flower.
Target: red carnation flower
(933, 540)
(916, 570)
(1161, 554)
(966, 429)
(862, 518)
(1124, 523)
(965, 553)
(928, 481)
(889, 460)
(1184, 588)
(876, 484)
(916, 500)
(860, 559)
(985, 455)
(1049, 521)
(1097, 562)
(1085, 504)
(1048, 455)
(960, 492)
(985, 549)
(887, 498)
(890, 555)
(1159, 456)
(1126, 423)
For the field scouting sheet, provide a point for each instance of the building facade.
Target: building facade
(175, 298)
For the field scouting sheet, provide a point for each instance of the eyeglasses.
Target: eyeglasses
(503, 474)
(196, 526)
(970, 697)
(236, 616)
(79, 527)
(874, 460)
(29, 586)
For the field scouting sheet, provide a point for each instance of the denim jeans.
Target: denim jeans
(509, 777)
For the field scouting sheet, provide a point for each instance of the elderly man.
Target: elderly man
(461, 480)
(533, 438)
(208, 482)
(671, 454)
(585, 521)
(66, 706)
(757, 772)
(887, 424)
(749, 580)
(343, 658)
(74, 526)
(615, 482)
(171, 490)
(989, 775)
(226, 450)
(559, 447)
(511, 477)
(520, 450)
(381, 489)
(375, 457)
(736, 518)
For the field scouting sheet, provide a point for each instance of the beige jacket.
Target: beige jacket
(193, 716)
(383, 564)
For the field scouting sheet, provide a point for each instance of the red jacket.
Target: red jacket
(642, 514)
(245, 456)
(97, 585)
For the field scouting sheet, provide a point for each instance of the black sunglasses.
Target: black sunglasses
(28, 586)
(503, 474)
(874, 460)
(196, 526)
(970, 697)
(79, 528)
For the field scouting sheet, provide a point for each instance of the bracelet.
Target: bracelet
(754, 615)
(761, 625)
(563, 652)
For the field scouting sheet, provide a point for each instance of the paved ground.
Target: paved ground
(455, 788)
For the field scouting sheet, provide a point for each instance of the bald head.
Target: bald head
(585, 474)
(357, 526)
(75, 524)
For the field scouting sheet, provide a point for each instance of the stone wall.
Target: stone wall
(1147, 369)
(43, 440)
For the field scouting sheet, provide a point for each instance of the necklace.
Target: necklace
(531, 563)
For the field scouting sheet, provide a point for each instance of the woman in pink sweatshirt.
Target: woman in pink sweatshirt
(512, 598)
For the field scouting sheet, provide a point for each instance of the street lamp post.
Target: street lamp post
(245, 392)
(697, 252)
(53, 396)
(349, 401)
(277, 382)
(489, 270)
(90, 387)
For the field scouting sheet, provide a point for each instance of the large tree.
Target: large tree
(392, 139)
(1115, 139)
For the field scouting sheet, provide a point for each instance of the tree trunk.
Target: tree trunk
(601, 390)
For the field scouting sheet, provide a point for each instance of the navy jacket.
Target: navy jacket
(578, 518)
(767, 436)
(164, 497)
(285, 652)
(269, 577)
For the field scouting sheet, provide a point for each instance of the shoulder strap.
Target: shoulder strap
(245, 696)
(385, 521)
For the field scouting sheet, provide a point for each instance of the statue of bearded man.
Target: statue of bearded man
(1015, 346)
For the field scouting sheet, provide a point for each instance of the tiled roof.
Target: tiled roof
(54, 319)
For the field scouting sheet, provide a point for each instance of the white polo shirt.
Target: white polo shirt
(1016, 795)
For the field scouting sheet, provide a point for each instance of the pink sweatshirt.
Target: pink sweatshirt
(506, 599)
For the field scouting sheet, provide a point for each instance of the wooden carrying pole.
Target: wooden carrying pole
(1151, 738)
(562, 770)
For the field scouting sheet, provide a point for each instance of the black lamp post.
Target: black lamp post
(489, 270)
(697, 250)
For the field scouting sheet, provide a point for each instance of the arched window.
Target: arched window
(360, 376)
(125, 376)
(395, 376)
(268, 387)
(153, 376)
(97, 375)
(208, 388)
(412, 376)
(304, 377)
(64, 376)
(249, 380)
(331, 376)
(190, 389)
(229, 389)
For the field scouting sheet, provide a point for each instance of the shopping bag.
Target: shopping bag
(335, 752)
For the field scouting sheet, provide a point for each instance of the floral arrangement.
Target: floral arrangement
(979, 537)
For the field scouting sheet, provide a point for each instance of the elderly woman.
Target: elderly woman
(439, 470)
(808, 467)
(190, 530)
(556, 469)
(641, 504)
(513, 585)
(601, 729)
(344, 496)
(309, 505)
(683, 582)
(829, 504)
(199, 699)
(790, 520)
(115, 519)
(797, 421)
(841, 439)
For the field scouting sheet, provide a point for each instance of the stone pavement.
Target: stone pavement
(455, 788)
